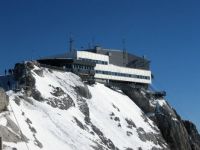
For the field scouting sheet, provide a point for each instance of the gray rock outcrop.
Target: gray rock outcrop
(3, 100)
(11, 132)
(179, 134)
(23, 75)
(83, 91)
(193, 133)
(140, 99)
(173, 132)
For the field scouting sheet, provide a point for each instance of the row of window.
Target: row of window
(122, 74)
(95, 61)
(75, 66)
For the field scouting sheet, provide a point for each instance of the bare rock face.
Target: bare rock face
(140, 100)
(173, 132)
(179, 135)
(3, 100)
(83, 91)
(57, 92)
(11, 133)
(63, 103)
(19, 71)
(23, 76)
(194, 135)
(39, 72)
(36, 95)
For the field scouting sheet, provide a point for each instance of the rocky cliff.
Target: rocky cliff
(178, 133)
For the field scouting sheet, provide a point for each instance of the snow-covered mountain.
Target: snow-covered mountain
(56, 110)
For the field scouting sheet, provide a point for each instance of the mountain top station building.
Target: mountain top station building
(103, 65)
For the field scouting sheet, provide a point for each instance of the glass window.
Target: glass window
(120, 74)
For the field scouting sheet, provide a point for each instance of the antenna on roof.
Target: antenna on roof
(71, 42)
(93, 42)
(124, 51)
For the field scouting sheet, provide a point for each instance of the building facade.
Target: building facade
(106, 71)
(104, 65)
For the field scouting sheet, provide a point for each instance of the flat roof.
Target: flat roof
(66, 61)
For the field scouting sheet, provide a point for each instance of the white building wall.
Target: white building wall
(114, 68)
(92, 56)
(118, 69)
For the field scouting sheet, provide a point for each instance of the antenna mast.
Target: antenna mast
(124, 52)
(71, 41)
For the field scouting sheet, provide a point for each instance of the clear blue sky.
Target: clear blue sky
(165, 31)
